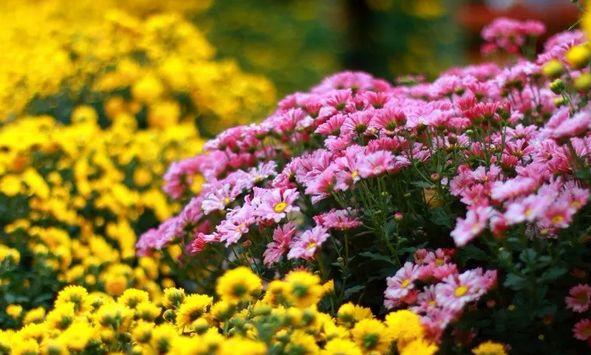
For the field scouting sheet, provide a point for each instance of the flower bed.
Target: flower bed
(463, 200)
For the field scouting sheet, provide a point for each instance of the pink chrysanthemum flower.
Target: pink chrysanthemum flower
(456, 291)
(274, 204)
(306, 245)
(218, 199)
(582, 329)
(282, 237)
(579, 298)
(400, 285)
(338, 219)
(474, 223)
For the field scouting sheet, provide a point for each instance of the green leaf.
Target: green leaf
(441, 218)
(474, 253)
(514, 281)
(353, 290)
(376, 257)
(554, 273)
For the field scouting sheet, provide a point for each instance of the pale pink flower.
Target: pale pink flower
(456, 291)
(218, 199)
(236, 224)
(274, 204)
(576, 126)
(400, 285)
(306, 245)
(470, 227)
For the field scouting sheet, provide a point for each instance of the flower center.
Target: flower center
(227, 200)
(557, 219)
(460, 291)
(354, 174)
(311, 245)
(280, 207)
(439, 262)
(405, 283)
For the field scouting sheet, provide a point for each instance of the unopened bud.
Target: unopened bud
(557, 86)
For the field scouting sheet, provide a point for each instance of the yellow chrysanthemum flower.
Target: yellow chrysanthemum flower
(303, 288)
(349, 314)
(489, 348)
(239, 284)
(371, 335)
(341, 347)
(419, 347)
(77, 295)
(404, 326)
(193, 307)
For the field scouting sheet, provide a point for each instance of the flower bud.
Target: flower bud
(559, 101)
(557, 86)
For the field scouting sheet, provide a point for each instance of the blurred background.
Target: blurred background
(295, 43)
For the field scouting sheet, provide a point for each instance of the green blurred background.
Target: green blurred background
(297, 42)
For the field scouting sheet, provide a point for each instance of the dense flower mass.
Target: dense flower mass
(96, 100)
(282, 319)
(139, 54)
(487, 167)
(74, 197)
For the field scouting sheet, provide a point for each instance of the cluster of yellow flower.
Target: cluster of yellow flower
(243, 320)
(75, 196)
(158, 63)
(95, 103)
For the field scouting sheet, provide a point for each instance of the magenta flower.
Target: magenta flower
(582, 329)
(282, 237)
(579, 298)
(338, 219)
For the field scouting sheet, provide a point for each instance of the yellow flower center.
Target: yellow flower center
(557, 219)
(354, 174)
(227, 200)
(460, 291)
(405, 283)
(280, 207)
(438, 262)
(311, 245)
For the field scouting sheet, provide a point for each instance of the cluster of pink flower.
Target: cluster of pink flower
(579, 301)
(509, 35)
(501, 139)
(358, 127)
(443, 292)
